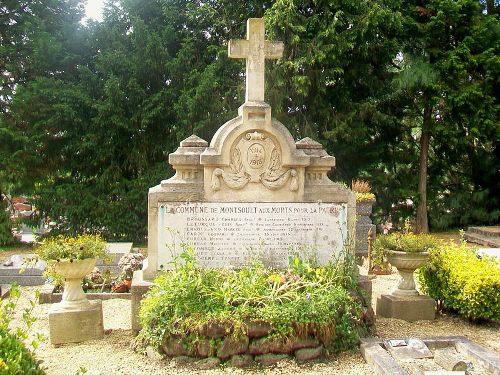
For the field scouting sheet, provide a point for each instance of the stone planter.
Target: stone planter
(406, 263)
(74, 271)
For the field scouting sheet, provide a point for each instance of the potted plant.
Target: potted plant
(72, 258)
(407, 252)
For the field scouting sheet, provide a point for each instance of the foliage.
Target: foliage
(81, 247)
(364, 197)
(462, 282)
(361, 186)
(407, 242)
(6, 237)
(15, 357)
(184, 299)
(89, 111)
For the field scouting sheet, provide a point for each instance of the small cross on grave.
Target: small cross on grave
(255, 49)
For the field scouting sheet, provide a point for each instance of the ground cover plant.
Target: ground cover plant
(297, 302)
(15, 357)
(462, 282)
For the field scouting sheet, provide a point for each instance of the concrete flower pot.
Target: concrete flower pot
(74, 271)
(406, 263)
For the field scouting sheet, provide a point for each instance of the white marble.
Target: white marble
(234, 234)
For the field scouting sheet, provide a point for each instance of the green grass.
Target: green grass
(21, 247)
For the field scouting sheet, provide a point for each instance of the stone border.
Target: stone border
(384, 364)
(47, 295)
(4, 291)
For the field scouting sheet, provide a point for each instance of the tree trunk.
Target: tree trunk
(421, 225)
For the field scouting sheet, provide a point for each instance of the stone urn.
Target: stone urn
(74, 271)
(406, 263)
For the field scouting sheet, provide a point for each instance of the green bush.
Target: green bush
(6, 237)
(461, 282)
(15, 358)
(408, 242)
(187, 297)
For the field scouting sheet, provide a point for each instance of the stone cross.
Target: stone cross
(255, 49)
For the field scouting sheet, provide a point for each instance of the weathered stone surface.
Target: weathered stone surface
(409, 309)
(257, 329)
(153, 354)
(215, 330)
(173, 347)
(308, 354)
(204, 349)
(241, 360)
(76, 325)
(232, 345)
(207, 363)
(270, 359)
(269, 345)
(184, 360)
(138, 289)
(301, 343)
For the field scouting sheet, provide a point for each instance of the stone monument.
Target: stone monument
(253, 192)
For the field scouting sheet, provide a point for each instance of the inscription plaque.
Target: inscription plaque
(234, 234)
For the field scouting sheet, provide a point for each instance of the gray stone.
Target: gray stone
(241, 360)
(153, 354)
(487, 236)
(409, 309)
(67, 326)
(270, 359)
(138, 289)
(411, 348)
(308, 354)
(207, 363)
(232, 345)
(15, 270)
(381, 361)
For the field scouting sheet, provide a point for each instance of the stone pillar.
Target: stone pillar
(363, 226)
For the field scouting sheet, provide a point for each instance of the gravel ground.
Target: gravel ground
(112, 355)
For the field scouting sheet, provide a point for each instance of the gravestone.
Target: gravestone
(253, 192)
(16, 271)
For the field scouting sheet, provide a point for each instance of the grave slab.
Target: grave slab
(412, 348)
(32, 275)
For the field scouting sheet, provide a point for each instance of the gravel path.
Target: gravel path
(112, 355)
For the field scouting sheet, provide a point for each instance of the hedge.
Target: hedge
(461, 281)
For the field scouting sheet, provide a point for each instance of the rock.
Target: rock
(299, 343)
(153, 354)
(369, 316)
(269, 345)
(308, 354)
(270, 359)
(215, 330)
(204, 349)
(183, 360)
(173, 347)
(207, 363)
(232, 345)
(241, 360)
(257, 329)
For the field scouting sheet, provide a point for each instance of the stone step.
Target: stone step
(493, 232)
(482, 240)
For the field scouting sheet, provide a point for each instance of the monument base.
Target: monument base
(76, 325)
(407, 308)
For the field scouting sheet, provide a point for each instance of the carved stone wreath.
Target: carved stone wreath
(255, 157)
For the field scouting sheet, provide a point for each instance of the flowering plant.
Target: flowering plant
(129, 263)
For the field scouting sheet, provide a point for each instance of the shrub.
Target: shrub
(187, 297)
(408, 242)
(461, 282)
(15, 358)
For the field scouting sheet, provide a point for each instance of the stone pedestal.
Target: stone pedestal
(137, 291)
(76, 325)
(407, 308)
(363, 226)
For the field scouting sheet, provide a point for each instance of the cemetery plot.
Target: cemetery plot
(440, 355)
